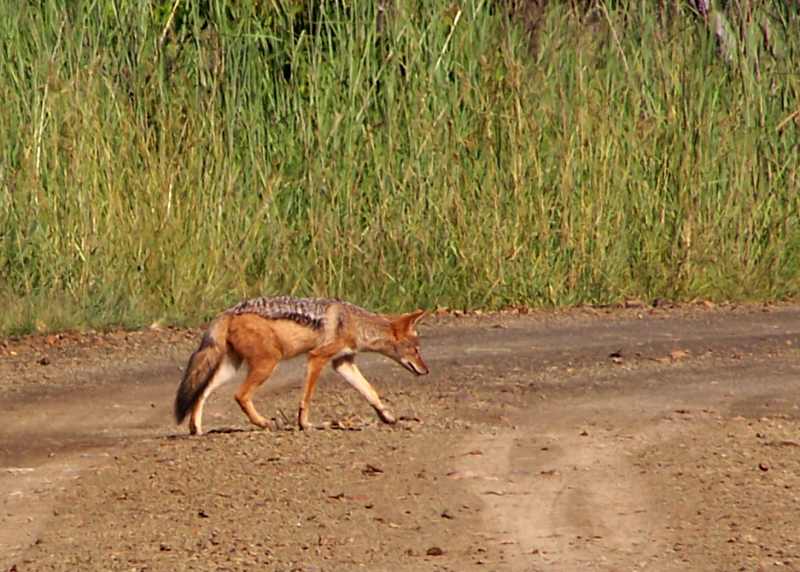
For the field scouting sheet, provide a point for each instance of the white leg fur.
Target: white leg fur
(225, 373)
(350, 372)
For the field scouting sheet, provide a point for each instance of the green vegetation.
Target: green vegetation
(160, 164)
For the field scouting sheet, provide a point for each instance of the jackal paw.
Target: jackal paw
(303, 422)
(386, 417)
(260, 422)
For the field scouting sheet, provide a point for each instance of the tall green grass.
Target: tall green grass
(438, 161)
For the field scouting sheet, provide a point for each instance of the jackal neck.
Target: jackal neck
(372, 332)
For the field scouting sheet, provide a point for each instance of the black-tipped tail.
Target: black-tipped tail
(201, 368)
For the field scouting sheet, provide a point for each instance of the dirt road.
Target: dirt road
(638, 439)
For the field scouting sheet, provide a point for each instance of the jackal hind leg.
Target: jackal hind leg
(258, 374)
(347, 368)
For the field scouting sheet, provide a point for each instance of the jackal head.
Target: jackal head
(404, 344)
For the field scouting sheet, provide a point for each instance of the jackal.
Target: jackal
(263, 331)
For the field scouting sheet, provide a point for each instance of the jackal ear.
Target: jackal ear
(405, 323)
(416, 316)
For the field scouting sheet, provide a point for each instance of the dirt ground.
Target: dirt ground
(621, 439)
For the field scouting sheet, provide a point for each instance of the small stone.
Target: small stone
(370, 469)
(434, 551)
(677, 355)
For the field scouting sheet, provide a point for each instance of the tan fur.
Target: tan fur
(246, 334)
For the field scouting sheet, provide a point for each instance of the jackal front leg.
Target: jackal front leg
(346, 367)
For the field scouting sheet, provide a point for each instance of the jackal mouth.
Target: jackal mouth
(413, 368)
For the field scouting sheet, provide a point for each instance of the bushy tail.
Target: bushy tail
(202, 366)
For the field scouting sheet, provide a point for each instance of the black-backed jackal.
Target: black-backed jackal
(263, 331)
